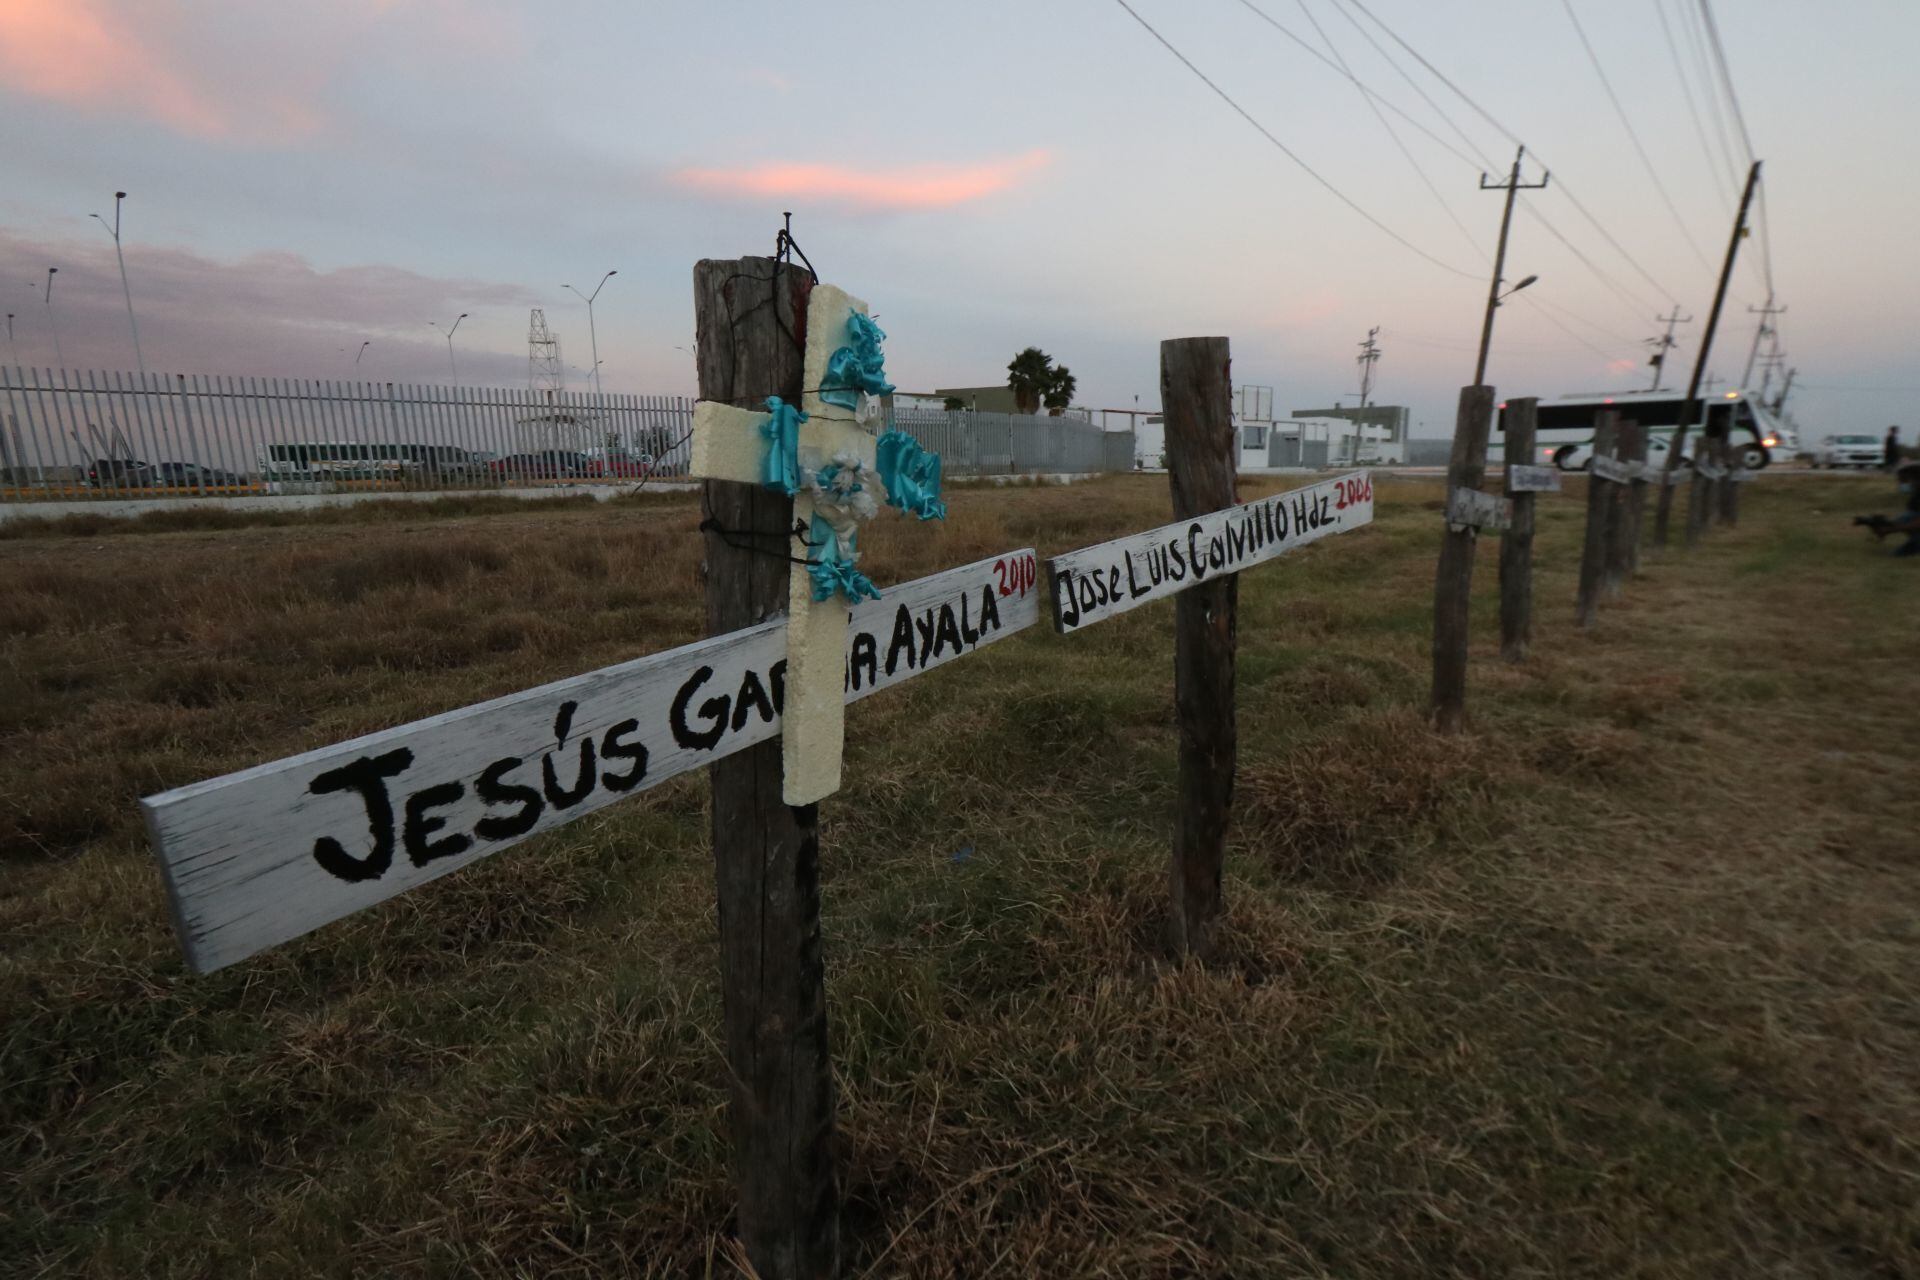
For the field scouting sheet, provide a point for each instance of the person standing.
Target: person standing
(1891, 457)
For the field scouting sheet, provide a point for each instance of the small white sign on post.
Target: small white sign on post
(259, 857)
(1522, 478)
(1711, 470)
(1475, 509)
(1611, 469)
(1098, 582)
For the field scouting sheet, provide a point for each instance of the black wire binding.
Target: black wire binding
(728, 536)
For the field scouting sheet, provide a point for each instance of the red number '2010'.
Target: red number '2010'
(1017, 576)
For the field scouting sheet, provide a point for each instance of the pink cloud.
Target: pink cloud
(925, 186)
(70, 52)
(1622, 366)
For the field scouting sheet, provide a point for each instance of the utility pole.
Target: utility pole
(1369, 354)
(1763, 329)
(1691, 405)
(1780, 400)
(1665, 343)
(1510, 186)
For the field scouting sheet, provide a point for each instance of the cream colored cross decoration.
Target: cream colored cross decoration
(728, 445)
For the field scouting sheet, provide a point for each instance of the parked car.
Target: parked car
(626, 467)
(120, 473)
(191, 475)
(549, 464)
(1849, 451)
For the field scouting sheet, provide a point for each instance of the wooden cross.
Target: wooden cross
(733, 444)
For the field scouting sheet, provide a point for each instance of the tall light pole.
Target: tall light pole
(114, 231)
(362, 351)
(51, 326)
(452, 368)
(10, 345)
(592, 335)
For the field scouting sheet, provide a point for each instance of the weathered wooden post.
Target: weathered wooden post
(1196, 396)
(1706, 473)
(1730, 485)
(1636, 499)
(1619, 515)
(1516, 551)
(1453, 578)
(1599, 498)
(750, 318)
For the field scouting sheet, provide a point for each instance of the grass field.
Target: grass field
(1625, 983)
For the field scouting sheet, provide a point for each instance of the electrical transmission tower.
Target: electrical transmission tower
(546, 375)
(1368, 357)
(1664, 343)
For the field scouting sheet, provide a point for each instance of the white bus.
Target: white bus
(372, 464)
(1565, 426)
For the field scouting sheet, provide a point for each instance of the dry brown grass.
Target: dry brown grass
(1625, 983)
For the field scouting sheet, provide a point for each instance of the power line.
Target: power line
(1341, 65)
(1342, 68)
(1283, 149)
(1726, 77)
(1659, 289)
(1398, 144)
(1714, 161)
(1634, 134)
(1689, 20)
(1483, 162)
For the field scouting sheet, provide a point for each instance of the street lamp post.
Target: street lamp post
(452, 368)
(114, 231)
(362, 351)
(592, 334)
(51, 326)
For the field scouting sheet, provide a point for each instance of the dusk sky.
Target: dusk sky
(987, 175)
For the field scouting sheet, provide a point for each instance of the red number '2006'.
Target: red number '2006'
(1348, 492)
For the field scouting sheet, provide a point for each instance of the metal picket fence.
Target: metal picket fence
(67, 434)
(1015, 443)
(70, 434)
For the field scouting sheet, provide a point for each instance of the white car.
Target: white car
(1850, 451)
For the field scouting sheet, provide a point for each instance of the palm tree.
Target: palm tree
(1060, 389)
(1030, 376)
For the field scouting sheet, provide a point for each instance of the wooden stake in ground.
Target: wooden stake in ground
(1196, 395)
(750, 319)
(1707, 472)
(1619, 514)
(1453, 579)
(1516, 550)
(1593, 556)
(1730, 487)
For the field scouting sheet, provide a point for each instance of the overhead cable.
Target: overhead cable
(1288, 153)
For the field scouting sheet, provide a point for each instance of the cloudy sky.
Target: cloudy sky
(989, 175)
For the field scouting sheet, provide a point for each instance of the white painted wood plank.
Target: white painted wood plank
(1096, 583)
(1741, 475)
(1611, 469)
(1711, 470)
(1522, 478)
(259, 857)
(1475, 509)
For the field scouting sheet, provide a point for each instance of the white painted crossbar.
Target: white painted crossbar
(262, 856)
(1475, 509)
(1095, 583)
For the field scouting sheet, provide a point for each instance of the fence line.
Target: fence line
(67, 434)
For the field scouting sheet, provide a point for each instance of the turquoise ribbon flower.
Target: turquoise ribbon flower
(911, 475)
(858, 366)
(831, 566)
